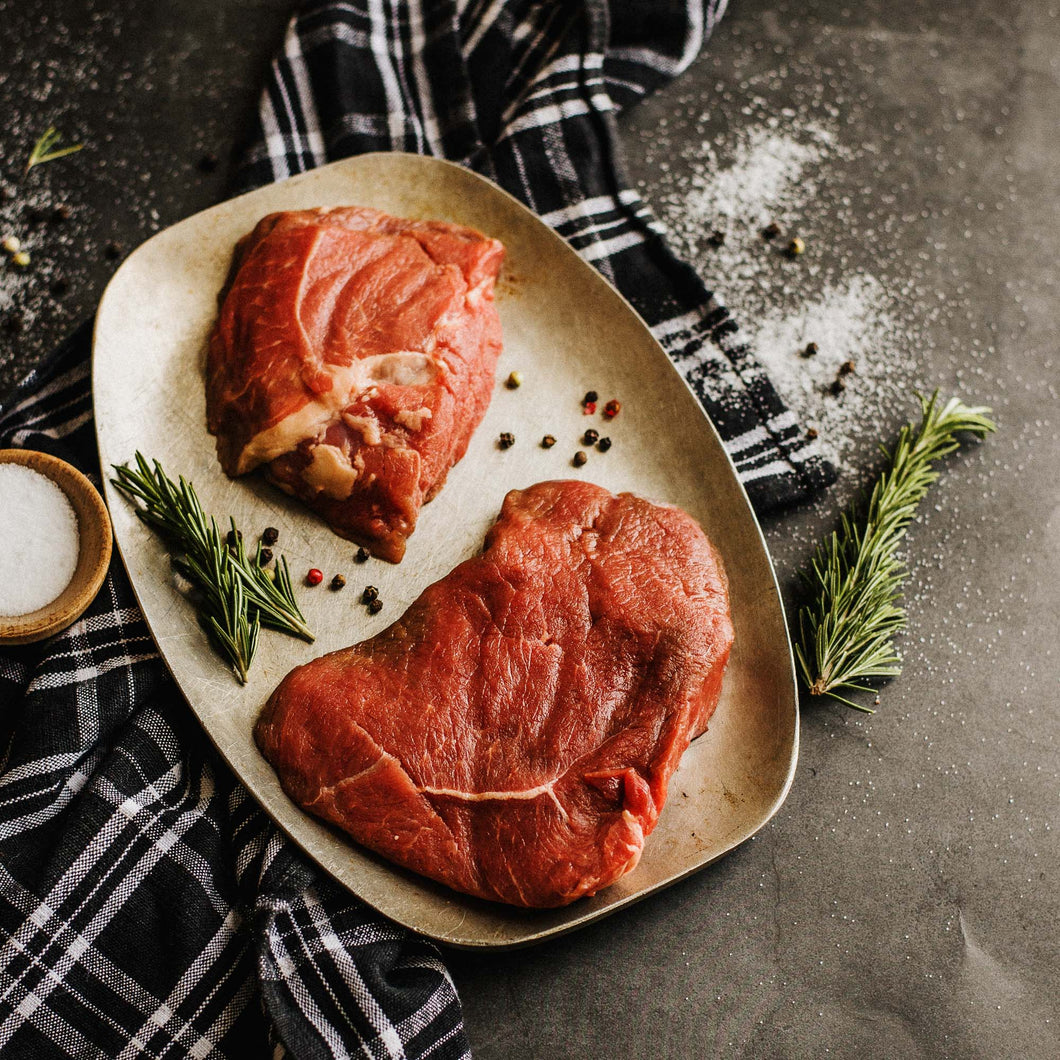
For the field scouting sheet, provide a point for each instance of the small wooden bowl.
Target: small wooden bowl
(94, 532)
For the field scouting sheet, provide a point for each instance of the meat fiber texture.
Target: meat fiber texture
(514, 732)
(353, 356)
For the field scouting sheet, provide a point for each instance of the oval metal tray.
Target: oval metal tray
(567, 331)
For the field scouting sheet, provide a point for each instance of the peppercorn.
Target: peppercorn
(590, 437)
(264, 556)
(579, 458)
(337, 583)
(716, 238)
(209, 162)
(591, 396)
(62, 213)
(21, 259)
(233, 538)
(811, 349)
(548, 441)
(12, 244)
(837, 387)
(375, 607)
(314, 577)
(506, 440)
(811, 433)
(514, 380)
(112, 250)
(771, 230)
(14, 323)
(361, 556)
(796, 247)
(589, 408)
(370, 593)
(270, 535)
(603, 445)
(612, 409)
(846, 368)
(59, 286)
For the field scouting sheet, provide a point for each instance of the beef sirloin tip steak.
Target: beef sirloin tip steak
(513, 733)
(353, 356)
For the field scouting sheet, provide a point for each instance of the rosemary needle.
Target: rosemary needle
(238, 596)
(47, 149)
(846, 632)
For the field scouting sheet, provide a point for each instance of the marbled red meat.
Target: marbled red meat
(353, 357)
(513, 733)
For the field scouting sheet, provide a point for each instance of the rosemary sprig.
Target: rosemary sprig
(846, 633)
(237, 595)
(47, 149)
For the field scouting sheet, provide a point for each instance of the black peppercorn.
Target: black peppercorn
(579, 459)
(59, 286)
(591, 396)
(264, 556)
(370, 593)
(361, 556)
(846, 368)
(337, 583)
(112, 250)
(233, 538)
(837, 387)
(590, 437)
(771, 230)
(716, 238)
(209, 162)
(811, 350)
(548, 441)
(506, 440)
(375, 606)
(811, 433)
(62, 213)
(270, 535)
(603, 445)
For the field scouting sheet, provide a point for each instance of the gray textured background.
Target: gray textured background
(904, 902)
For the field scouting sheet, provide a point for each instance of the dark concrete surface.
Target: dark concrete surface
(905, 900)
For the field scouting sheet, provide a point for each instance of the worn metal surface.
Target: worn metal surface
(904, 900)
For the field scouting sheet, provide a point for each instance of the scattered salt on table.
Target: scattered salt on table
(39, 544)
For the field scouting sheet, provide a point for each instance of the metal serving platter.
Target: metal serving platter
(567, 331)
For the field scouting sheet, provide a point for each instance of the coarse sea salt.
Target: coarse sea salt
(39, 543)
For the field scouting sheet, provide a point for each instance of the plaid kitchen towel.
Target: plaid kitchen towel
(147, 906)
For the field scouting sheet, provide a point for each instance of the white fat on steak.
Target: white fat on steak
(348, 382)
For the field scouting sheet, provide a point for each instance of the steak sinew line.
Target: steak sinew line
(585, 644)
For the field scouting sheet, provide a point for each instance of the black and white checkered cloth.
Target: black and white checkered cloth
(147, 906)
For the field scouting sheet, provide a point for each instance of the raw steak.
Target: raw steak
(353, 356)
(514, 732)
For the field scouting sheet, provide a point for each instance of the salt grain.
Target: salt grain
(39, 544)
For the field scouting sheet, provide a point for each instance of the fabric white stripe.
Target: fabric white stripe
(60, 382)
(292, 48)
(776, 467)
(419, 73)
(607, 247)
(487, 19)
(380, 44)
(61, 431)
(553, 113)
(587, 208)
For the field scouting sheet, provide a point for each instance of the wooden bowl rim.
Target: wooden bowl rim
(93, 519)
